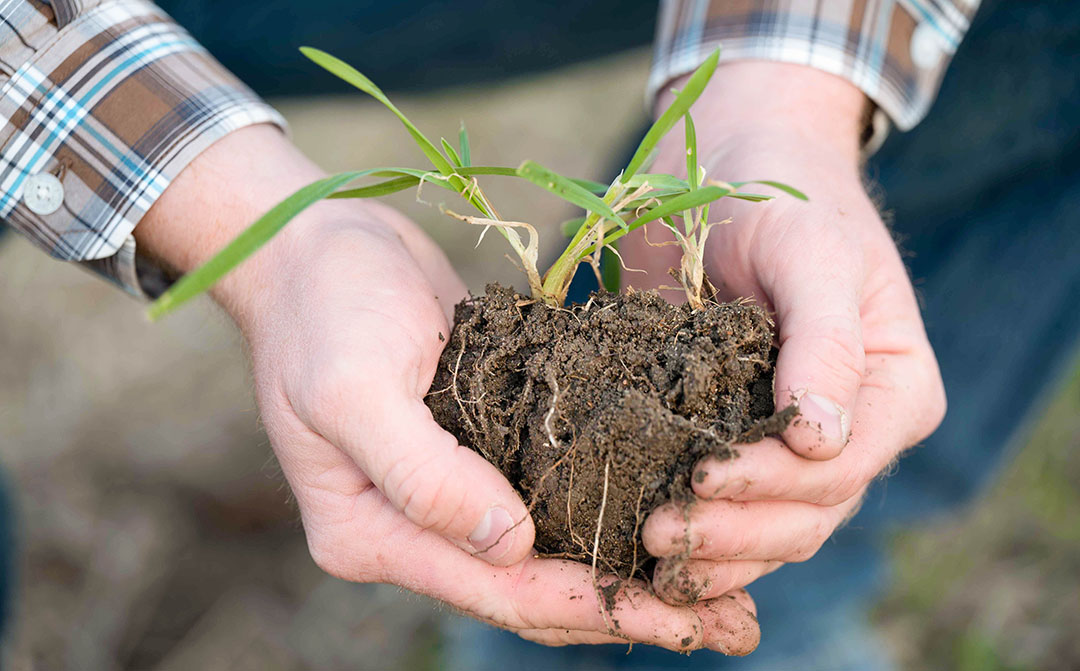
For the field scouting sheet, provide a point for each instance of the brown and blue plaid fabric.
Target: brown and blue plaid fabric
(895, 51)
(114, 99)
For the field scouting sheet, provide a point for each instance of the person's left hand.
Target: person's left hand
(853, 352)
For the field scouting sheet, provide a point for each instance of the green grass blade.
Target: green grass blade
(567, 189)
(652, 195)
(488, 170)
(381, 189)
(244, 245)
(451, 153)
(691, 154)
(687, 201)
(611, 270)
(658, 181)
(752, 197)
(466, 151)
(676, 205)
(789, 190)
(690, 93)
(407, 177)
(348, 73)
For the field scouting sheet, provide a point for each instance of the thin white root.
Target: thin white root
(596, 551)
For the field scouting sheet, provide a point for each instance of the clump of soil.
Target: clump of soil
(603, 408)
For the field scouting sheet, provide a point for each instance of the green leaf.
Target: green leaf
(611, 270)
(380, 189)
(412, 177)
(567, 189)
(466, 152)
(691, 154)
(752, 197)
(652, 195)
(686, 201)
(658, 181)
(247, 243)
(690, 93)
(488, 170)
(570, 227)
(790, 190)
(348, 73)
(451, 153)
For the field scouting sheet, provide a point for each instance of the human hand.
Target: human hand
(853, 351)
(346, 313)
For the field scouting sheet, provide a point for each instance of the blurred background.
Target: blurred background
(154, 530)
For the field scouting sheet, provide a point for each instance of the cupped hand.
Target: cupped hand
(344, 354)
(853, 352)
(346, 313)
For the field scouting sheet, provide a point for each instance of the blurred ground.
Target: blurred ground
(155, 530)
(997, 587)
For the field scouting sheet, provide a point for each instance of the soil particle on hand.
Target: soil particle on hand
(621, 395)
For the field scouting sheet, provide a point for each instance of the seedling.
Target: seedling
(632, 200)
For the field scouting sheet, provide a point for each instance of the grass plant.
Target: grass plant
(633, 199)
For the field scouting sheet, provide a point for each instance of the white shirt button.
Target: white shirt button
(43, 193)
(926, 49)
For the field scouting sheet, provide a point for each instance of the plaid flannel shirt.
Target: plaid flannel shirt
(895, 51)
(112, 99)
(104, 102)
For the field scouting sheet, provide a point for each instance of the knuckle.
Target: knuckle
(424, 491)
(850, 480)
(816, 537)
(327, 556)
(843, 355)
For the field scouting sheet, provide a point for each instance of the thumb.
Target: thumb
(821, 360)
(443, 486)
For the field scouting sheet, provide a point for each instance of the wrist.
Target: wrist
(776, 105)
(221, 193)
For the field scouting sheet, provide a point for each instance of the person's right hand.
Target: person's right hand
(346, 314)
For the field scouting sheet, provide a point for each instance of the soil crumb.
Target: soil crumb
(622, 394)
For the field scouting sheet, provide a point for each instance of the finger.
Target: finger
(560, 637)
(441, 485)
(899, 404)
(533, 594)
(684, 582)
(821, 359)
(788, 531)
(731, 623)
(356, 534)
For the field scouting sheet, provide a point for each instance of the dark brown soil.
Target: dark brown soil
(620, 396)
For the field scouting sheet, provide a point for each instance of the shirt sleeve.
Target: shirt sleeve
(895, 51)
(102, 104)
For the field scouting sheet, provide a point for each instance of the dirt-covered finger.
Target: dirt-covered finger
(788, 531)
(685, 582)
(561, 637)
(899, 404)
(731, 623)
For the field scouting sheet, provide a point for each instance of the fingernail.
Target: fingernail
(493, 537)
(726, 484)
(828, 415)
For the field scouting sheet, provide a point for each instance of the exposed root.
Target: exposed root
(601, 600)
(457, 396)
(637, 525)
